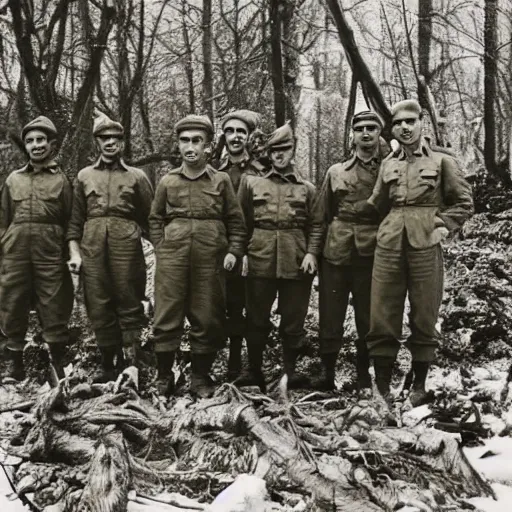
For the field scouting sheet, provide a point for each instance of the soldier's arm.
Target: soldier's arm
(5, 209)
(67, 201)
(380, 195)
(234, 219)
(144, 200)
(157, 214)
(317, 218)
(457, 195)
(78, 213)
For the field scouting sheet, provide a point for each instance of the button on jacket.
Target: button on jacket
(342, 208)
(420, 196)
(278, 211)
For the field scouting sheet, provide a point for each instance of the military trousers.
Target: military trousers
(418, 273)
(293, 301)
(186, 289)
(34, 275)
(114, 278)
(336, 284)
(235, 306)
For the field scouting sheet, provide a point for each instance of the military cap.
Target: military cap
(367, 115)
(103, 125)
(250, 118)
(282, 138)
(194, 122)
(408, 105)
(39, 123)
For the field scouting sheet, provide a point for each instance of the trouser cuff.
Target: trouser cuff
(108, 339)
(422, 353)
(56, 340)
(330, 345)
(385, 348)
(170, 345)
(15, 345)
(131, 337)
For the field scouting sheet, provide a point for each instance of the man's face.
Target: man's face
(236, 133)
(406, 127)
(38, 147)
(192, 145)
(366, 134)
(281, 158)
(111, 144)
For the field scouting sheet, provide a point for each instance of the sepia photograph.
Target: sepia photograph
(255, 255)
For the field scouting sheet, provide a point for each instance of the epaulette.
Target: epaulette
(258, 166)
(441, 149)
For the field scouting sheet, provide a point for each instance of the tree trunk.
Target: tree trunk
(277, 63)
(291, 66)
(189, 69)
(490, 70)
(424, 42)
(207, 58)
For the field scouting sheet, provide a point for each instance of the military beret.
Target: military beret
(250, 118)
(367, 115)
(408, 105)
(282, 138)
(39, 123)
(194, 122)
(104, 124)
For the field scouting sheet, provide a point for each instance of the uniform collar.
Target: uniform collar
(226, 162)
(292, 176)
(355, 159)
(422, 150)
(208, 170)
(51, 167)
(101, 165)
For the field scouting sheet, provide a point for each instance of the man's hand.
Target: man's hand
(309, 264)
(229, 261)
(245, 266)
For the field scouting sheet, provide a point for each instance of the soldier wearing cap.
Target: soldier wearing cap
(283, 242)
(236, 127)
(111, 205)
(423, 193)
(35, 207)
(198, 231)
(347, 257)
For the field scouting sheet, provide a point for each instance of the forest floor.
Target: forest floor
(172, 446)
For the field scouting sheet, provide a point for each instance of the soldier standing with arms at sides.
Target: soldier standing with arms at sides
(347, 259)
(198, 231)
(425, 196)
(111, 205)
(237, 126)
(281, 257)
(34, 212)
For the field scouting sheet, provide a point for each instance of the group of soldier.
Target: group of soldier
(228, 241)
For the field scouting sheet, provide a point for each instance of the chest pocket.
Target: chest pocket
(391, 175)
(213, 200)
(429, 176)
(47, 187)
(177, 196)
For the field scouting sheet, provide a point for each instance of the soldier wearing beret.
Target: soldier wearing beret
(422, 192)
(198, 231)
(111, 205)
(347, 257)
(283, 242)
(237, 126)
(34, 212)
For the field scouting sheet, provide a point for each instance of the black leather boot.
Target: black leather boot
(201, 384)
(58, 353)
(14, 367)
(325, 381)
(295, 380)
(107, 371)
(164, 383)
(419, 395)
(383, 372)
(253, 376)
(235, 357)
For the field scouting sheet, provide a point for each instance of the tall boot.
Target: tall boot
(364, 379)
(235, 357)
(58, 352)
(253, 376)
(131, 347)
(295, 379)
(383, 372)
(325, 381)
(14, 367)
(107, 372)
(165, 377)
(419, 395)
(201, 384)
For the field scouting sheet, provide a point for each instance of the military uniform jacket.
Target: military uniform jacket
(342, 208)
(197, 216)
(30, 199)
(114, 199)
(235, 171)
(420, 196)
(278, 212)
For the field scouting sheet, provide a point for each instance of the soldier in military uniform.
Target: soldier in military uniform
(35, 207)
(283, 242)
(198, 231)
(347, 258)
(111, 205)
(236, 127)
(423, 193)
